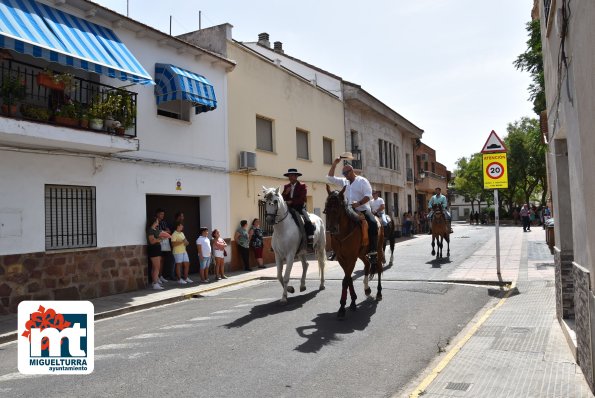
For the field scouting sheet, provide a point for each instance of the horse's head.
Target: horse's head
(438, 216)
(333, 208)
(273, 202)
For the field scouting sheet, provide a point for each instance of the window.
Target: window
(327, 151)
(354, 140)
(546, 8)
(301, 141)
(409, 202)
(395, 203)
(176, 109)
(389, 155)
(433, 167)
(267, 229)
(70, 219)
(264, 134)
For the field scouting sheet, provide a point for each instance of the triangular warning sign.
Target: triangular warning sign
(494, 144)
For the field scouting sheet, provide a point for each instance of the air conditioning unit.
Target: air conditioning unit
(424, 157)
(247, 160)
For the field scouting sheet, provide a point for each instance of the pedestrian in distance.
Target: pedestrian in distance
(179, 243)
(219, 246)
(257, 242)
(525, 218)
(203, 246)
(242, 239)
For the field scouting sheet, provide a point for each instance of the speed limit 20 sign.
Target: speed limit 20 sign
(495, 175)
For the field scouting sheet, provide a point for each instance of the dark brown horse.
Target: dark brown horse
(440, 231)
(346, 241)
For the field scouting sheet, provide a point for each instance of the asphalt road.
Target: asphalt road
(240, 342)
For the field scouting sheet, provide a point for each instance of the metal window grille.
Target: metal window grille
(546, 8)
(70, 217)
(267, 229)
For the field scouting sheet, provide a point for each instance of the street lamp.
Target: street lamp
(422, 174)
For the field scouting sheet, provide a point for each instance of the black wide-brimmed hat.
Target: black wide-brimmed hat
(292, 171)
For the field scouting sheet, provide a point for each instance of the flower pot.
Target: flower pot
(47, 81)
(96, 124)
(66, 121)
(120, 130)
(84, 123)
(9, 110)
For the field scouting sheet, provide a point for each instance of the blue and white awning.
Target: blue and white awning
(174, 83)
(36, 29)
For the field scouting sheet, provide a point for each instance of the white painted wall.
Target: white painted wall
(121, 190)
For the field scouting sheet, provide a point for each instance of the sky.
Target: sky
(445, 65)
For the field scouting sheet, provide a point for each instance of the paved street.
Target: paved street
(238, 340)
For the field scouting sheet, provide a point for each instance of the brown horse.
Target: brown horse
(440, 231)
(346, 241)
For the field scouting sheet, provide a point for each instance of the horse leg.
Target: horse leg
(287, 275)
(440, 246)
(343, 301)
(367, 289)
(448, 246)
(433, 251)
(379, 288)
(304, 272)
(352, 306)
(321, 256)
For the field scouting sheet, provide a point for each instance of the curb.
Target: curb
(12, 336)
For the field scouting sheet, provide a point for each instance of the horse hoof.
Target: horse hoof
(302, 288)
(341, 313)
(283, 301)
(321, 287)
(379, 297)
(433, 252)
(368, 291)
(290, 289)
(353, 306)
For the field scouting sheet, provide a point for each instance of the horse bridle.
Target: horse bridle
(334, 206)
(276, 211)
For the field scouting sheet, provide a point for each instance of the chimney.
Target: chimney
(279, 47)
(263, 40)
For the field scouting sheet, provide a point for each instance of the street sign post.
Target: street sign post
(495, 176)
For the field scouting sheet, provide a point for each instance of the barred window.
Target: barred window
(70, 217)
(389, 155)
(267, 229)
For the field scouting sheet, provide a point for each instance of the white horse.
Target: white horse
(286, 241)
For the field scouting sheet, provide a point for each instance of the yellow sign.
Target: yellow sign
(495, 173)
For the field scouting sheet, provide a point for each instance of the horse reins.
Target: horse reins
(276, 215)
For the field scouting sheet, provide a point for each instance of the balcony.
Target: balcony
(428, 181)
(46, 109)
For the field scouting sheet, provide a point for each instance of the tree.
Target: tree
(532, 61)
(469, 179)
(526, 159)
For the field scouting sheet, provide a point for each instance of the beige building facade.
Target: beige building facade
(567, 33)
(276, 120)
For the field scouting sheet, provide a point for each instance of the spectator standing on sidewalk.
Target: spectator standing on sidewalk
(167, 261)
(257, 242)
(242, 239)
(179, 243)
(203, 246)
(219, 246)
(154, 252)
(525, 218)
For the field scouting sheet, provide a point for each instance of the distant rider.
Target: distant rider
(439, 199)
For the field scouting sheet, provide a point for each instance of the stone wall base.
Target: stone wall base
(564, 284)
(584, 305)
(71, 275)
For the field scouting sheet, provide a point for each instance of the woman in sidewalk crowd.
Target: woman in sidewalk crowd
(154, 252)
(219, 246)
(179, 243)
(167, 260)
(203, 246)
(257, 241)
(243, 240)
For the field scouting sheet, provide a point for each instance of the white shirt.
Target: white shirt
(356, 191)
(376, 203)
(292, 188)
(205, 245)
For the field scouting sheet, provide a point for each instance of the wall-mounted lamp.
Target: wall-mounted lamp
(422, 174)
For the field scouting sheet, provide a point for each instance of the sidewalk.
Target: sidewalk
(516, 348)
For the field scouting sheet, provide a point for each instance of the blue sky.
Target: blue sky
(445, 65)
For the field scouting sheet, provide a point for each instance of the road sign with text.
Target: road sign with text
(495, 173)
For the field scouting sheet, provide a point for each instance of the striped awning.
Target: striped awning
(174, 83)
(36, 29)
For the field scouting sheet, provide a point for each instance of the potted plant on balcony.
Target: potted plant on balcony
(12, 90)
(113, 109)
(96, 114)
(56, 81)
(66, 115)
(35, 112)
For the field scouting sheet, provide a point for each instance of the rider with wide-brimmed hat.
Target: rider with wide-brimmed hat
(294, 194)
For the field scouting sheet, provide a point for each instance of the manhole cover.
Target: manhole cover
(458, 386)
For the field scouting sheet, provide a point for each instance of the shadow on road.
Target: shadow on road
(500, 293)
(327, 327)
(272, 308)
(438, 262)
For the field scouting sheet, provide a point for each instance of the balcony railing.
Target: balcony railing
(32, 93)
(435, 176)
(409, 174)
(267, 229)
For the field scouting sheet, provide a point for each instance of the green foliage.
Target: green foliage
(469, 179)
(67, 110)
(35, 112)
(532, 61)
(12, 89)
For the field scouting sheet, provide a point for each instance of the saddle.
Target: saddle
(299, 220)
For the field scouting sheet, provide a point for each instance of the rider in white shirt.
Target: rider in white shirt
(377, 205)
(358, 194)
